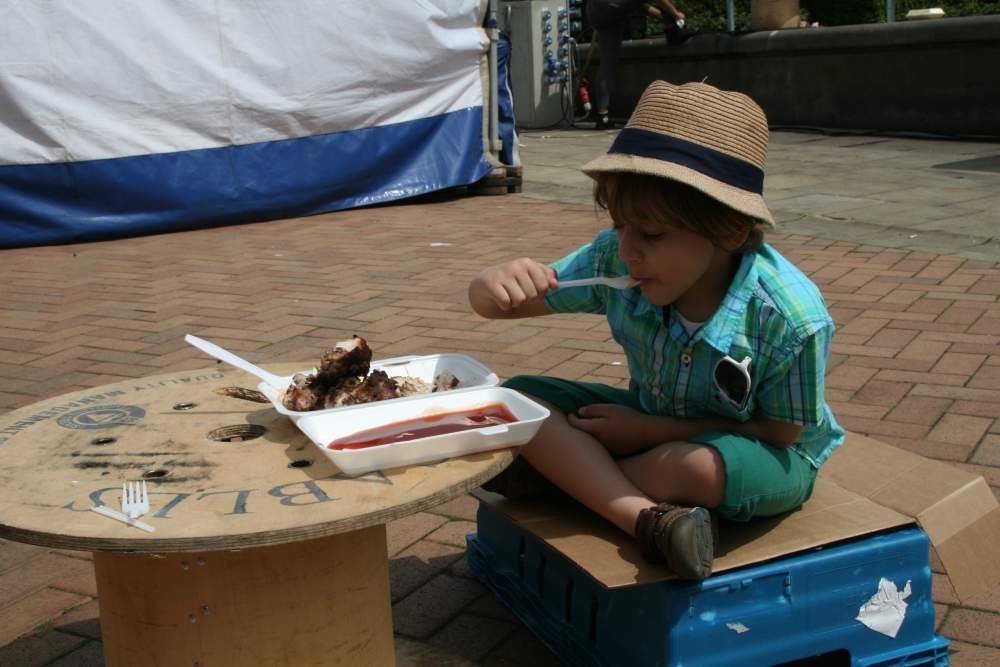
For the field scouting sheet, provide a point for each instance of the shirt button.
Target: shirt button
(655, 390)
(686, 359)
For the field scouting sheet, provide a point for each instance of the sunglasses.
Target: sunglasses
(732, 379)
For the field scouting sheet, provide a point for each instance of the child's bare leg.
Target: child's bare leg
(678, 472)
(580, 465)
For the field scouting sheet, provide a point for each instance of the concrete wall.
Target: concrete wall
(940, 76)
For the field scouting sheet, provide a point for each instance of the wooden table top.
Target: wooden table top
(61, 456)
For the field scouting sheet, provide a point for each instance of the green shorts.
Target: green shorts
(761, 480)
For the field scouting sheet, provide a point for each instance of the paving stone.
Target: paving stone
(941, 451)
(942, 591)
(930, 305)
(84, 621)
(38, 649)
(463, 507)
(881, 392)
(954, 362)
(876, 427)
(418, 564)
(974, 626)
(34, 610)
(987, 601)
(404, 532)
(411, 653)
(851, 408)
(924, 349)
(986, 325)
(957, 393)
(489, 605)
(850, 377)
(961, 313)
(431, 606)
(460, 568)
(34, 575)
(987, 377)
(911, 377)
(988, 452)
(971, 655)
(522, 649)
(960, 429)
(14, 554)
(892, 337)
(472, 636)
(453, 533)
(919, 410)
(83, 583)
(90, 654)
(940, 611)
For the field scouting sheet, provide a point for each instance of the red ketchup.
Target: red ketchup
(423, 427)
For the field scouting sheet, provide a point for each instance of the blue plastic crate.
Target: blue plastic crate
(776, 613)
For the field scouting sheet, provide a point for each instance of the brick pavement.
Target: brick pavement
(916, 362)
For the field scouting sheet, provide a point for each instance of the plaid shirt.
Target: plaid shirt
(772, 313)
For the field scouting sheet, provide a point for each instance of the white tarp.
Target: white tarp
(91, 79)
(125, 117)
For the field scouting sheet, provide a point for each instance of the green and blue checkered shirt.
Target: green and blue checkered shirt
(772, 313)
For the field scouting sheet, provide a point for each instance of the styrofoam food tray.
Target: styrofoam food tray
(323, 429)
(470, 374)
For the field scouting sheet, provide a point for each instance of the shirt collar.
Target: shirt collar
(729, 317)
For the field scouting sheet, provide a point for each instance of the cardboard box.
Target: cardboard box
(865, 487)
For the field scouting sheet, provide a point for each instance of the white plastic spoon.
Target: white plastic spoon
(617, 282)
(214, 350)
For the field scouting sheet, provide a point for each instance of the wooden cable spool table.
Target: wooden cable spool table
(263, 554)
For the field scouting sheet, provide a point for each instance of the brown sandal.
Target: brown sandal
(685, 538)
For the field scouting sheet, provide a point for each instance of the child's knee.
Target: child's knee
(705, 471)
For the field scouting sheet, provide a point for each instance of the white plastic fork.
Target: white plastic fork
(221, 354)
(135, 500)
(124, 518)
(616, 282)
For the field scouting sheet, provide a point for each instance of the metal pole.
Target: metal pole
(731, 15)
(890, 11)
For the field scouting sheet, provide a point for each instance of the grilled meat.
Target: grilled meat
(343, 379)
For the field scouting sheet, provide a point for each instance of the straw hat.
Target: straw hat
(713, 140)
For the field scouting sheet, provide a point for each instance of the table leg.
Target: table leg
(318, 602)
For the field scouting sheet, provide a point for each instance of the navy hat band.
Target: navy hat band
(708, 161)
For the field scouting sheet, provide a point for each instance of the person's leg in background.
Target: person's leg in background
(674, 28)
(609, 39)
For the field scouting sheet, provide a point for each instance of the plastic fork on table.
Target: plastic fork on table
(616, 282)
(135, 500)
(221, 354)
(124, 518)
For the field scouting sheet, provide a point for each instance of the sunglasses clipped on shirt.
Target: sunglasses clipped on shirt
(732, 379)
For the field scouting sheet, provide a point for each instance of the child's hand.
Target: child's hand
(511, 285)
(621, 429)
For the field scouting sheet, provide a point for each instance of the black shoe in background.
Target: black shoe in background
(604, 122)
(676, 34)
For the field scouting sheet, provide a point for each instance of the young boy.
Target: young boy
(726, 341)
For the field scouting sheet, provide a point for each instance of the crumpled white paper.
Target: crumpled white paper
(885, 611)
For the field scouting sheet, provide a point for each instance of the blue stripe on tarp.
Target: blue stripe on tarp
(44, 204)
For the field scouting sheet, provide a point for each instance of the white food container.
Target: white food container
(325, 427)
(470, 373)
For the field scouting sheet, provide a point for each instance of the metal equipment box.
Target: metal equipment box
(540, 64)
